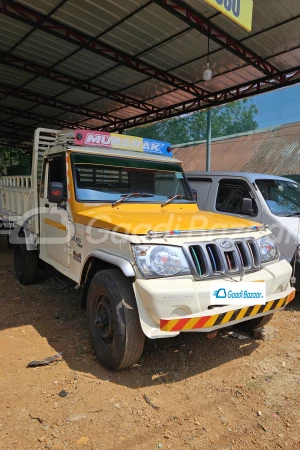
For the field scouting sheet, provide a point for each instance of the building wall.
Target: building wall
(273, 150)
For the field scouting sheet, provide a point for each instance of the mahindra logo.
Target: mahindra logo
(226, 244)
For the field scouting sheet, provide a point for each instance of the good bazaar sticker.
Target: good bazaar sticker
(239, 293)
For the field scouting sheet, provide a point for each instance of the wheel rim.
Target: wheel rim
(103, 319)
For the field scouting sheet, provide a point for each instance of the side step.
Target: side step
(59, 282)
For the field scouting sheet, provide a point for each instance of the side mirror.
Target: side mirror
(56, 192)
(247, 208)
(195, 194)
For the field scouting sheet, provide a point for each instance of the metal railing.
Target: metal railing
(16, 181)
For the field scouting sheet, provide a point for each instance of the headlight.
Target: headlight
(155, 261)
(268, 248)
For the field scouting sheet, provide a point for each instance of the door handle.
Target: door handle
(47, 205)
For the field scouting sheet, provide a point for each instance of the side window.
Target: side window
(57, 172)
(230, 196)
(202, 186)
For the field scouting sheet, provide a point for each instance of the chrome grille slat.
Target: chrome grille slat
(211, 259)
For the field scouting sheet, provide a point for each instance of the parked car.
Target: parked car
(267, 199)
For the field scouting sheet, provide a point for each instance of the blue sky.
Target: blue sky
(279, 107)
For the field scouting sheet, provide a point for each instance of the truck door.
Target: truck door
(230, 194)
(54, 223)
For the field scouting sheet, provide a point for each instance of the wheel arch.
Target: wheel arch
(101, 260)
(21, 235)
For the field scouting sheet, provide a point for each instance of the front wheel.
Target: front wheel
(10, 246)
(26, 264)
(113, 320)
(252, 324)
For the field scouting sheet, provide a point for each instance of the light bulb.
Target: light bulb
(207, 73)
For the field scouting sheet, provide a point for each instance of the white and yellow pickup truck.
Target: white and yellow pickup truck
(115, 214)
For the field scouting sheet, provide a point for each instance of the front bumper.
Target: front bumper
(224, 316)
(171, 305)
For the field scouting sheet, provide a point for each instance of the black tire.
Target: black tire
(26, 264)
(251, 324)
(10, 246)
(113, 320)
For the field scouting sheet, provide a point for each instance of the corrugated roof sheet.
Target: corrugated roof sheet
(274, 150)
(170, 54)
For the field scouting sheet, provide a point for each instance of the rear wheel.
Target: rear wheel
(26, 264)
(113, 319)
(251, 324)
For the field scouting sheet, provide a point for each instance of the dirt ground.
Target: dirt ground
(212, 394)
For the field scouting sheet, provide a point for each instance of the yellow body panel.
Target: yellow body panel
(137, 218)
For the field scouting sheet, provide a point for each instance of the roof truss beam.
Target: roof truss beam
(8, 143)
(59, 123)
(39, 21)
(17, 134)
(72, 82)
(196, 20)
(52, 102)
(8, 124)
(265, 84)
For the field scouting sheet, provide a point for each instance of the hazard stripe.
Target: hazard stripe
(242, 313)
(269, 306)
(212, 321)
(219, 319)
(261, 309)
(193, 323)
(281, 302)
(254, 310)
(169, 324)
(180, 324)
(227, 317)
(291, 296)
(201, 322)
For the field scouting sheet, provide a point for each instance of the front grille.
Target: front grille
(230, 256)
(215, 258)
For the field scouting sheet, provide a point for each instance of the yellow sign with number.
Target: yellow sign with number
(240, 11)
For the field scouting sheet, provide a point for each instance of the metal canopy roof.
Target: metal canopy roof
(115, 64)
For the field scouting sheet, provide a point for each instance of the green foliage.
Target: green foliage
(233, 118)
(14, 161)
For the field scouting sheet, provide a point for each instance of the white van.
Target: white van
(267, 199)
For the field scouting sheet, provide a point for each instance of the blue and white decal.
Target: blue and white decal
(157, 147)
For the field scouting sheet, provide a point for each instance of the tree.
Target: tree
(14, 161)
(230, 119)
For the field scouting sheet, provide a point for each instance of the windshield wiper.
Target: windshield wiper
(170, 200)
(297, 213)
(132, 194)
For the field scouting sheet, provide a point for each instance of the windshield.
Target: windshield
(106, 179)
(282, 197)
